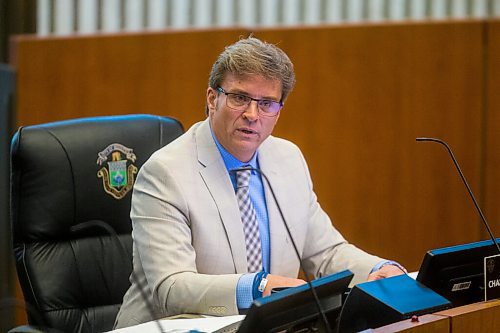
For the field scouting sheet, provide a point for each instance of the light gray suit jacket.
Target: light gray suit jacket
(189, 247)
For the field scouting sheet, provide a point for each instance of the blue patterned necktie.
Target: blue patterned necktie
(249, 220)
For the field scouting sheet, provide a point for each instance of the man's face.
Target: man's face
(242, 132)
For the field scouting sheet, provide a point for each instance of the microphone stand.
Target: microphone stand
(313, 291)
(466, 185)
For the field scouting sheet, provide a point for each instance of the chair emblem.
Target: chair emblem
(117, 174)
(490, 265)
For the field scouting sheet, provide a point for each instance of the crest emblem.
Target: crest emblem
(118, 171)
(490, 265)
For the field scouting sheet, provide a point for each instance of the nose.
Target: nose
(252, 111)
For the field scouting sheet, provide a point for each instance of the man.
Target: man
(206, 241)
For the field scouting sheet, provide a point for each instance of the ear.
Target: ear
(211, 100)
(276, 118)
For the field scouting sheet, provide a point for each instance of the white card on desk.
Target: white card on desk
(205, 324)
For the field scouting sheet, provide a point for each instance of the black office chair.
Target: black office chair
(65, 174)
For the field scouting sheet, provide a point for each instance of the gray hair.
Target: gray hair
(251, 56)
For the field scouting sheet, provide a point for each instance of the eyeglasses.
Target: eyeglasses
(240, 102)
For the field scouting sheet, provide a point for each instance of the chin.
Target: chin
(244, 155)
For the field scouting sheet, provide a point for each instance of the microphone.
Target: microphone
(466, 185)
(313, 291)
(111, 232)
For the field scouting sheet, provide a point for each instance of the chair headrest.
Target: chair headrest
(69, 172)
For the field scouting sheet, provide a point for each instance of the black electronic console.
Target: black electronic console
(457, 272)
(294, 309)
(382, 302)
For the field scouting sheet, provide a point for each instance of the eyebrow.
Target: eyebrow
(242, 92)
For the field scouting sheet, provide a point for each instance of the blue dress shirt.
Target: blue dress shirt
(244, 288)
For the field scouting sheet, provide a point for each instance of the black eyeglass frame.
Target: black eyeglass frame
(259, 101)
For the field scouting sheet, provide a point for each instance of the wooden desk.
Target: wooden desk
(481, 317)
(426, 324)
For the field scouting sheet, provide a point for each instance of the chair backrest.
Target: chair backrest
(64, 174)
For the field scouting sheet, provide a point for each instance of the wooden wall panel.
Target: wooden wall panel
(159, 73)
(492, 126)
(364, 92)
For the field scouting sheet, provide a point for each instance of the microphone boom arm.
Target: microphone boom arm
(311, 287)
(483, 218)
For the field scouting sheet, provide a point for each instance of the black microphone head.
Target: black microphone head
(426, 139)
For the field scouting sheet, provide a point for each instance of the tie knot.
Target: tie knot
(243, 178)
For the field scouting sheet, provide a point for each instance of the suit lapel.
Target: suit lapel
(216, 178)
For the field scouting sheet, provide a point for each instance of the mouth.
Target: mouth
(247, 131)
